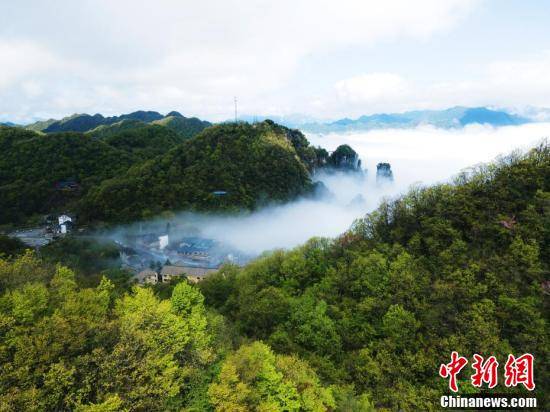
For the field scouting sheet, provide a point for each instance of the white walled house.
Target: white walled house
(64, 218)
(163, 241)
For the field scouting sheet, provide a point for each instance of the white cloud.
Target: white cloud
(373, 87)
(192, 56)
(501, 83)
(422, 155)
(512, 84)
(22, 59)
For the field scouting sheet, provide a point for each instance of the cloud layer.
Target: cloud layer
(320, 58)
(424, 155)
(111, 56)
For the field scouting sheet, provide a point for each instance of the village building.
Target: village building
(148, 276)
(169, 272)
(195, 249)
(64, 219)
(193, 274)
(164, 241)
(61, 225)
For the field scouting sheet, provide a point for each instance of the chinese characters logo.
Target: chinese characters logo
(516, 371)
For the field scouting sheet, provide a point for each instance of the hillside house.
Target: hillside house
(195, 248)
(148, 276)
(193, 274)
(61, 225)
(164, 241)
(169, 272)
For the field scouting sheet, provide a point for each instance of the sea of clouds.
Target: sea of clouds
(424, 155)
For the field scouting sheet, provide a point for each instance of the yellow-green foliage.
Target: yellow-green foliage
(459, 266)
(256, 379)
(65, 347)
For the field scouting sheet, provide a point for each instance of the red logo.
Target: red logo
(519, 370)
(516, 371)
(452, 369)
(484, 371)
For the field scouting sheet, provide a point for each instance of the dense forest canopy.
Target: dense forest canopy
(31, 165)
(65, 347)
(457, 267)
(129, 169)
(354, 323)
(247, 163)
(184, 126)
(143, 141)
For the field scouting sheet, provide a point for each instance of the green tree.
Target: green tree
(254, 378)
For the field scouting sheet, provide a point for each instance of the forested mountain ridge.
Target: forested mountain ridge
(227, 166)
(152, 167)
(31, 165)
(85, 122)
(462, 267)
(354, 323)
(187, 127)
(184, 126)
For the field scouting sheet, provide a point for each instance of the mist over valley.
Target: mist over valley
(419, 156)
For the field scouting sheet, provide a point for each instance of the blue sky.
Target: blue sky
(323, 59)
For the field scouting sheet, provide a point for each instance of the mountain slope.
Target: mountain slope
(456, 267)
(75, 123)
(40, 125)
(107, 130)
(144, 142)
(246, 163)
(185, 127)
(32, 164)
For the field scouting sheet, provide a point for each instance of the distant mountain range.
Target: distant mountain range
(455, 117)
(88, 123)
(10, 124)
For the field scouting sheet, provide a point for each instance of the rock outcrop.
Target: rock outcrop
(384, 173)
(344, 158)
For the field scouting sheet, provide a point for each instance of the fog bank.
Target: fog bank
(429, 155)
(423, 155)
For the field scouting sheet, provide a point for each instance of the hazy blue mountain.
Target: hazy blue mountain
(449, 118)
(87, 122)
(10, 124)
